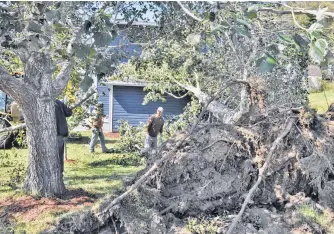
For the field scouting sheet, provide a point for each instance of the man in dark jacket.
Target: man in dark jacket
(154, 127)
(62, 111)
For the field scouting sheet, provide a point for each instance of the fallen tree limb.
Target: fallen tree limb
(9, 129)
(261, 176)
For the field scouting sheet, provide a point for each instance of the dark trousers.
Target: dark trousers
(60, 140)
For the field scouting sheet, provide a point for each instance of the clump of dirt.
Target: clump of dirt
(212, 172)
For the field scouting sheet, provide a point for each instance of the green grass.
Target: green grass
(97, 173)
(325, 219)
(320, 101)
(35, 226)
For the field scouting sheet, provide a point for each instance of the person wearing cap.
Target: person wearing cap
(97, 125)
(154, 127)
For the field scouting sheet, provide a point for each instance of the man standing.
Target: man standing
(154, 126)
(97, 132)
(62, 111)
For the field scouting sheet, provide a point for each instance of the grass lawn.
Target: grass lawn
(321, 101)
(97, 174)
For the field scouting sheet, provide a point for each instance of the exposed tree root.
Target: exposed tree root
(261, 175)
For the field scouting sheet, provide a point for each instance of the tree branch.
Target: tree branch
(174, 96)
(188, 12)
(88, 95)
(295, 21)
(299, 11)
(63, 77)
(219, 140)
(197, 80)
(10, 85)
(11, 129)
(261, 176)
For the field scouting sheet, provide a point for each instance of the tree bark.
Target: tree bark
(44, 176)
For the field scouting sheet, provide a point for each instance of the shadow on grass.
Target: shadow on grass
(114, 175)
(122, 161)
(93, 177)
(86, 140)
(79, 192)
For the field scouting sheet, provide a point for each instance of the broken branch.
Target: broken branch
(188, 12)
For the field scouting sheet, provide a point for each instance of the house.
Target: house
(123, 101)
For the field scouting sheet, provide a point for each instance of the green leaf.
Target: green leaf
(266, 63)
(329, 59)
(315, 27)
(285, 38)
(243, 22)
(81, 50)
(102, 39)
(318, 50)
(301, 40)
(274, 49)
(34, 27)
(241, 31)
(251, 15)
(92, 53)
(86, 83)
(253, 8)
(52, 16)
(218, 27)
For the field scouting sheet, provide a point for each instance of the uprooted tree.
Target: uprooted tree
(246, 65)
(45, 41)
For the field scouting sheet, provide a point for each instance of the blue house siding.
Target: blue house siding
(127, 105)
(103, 93)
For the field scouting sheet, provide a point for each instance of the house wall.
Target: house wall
(127, 105)
(104, 97)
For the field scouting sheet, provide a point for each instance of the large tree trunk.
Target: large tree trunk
(36, 95)
(44, 176)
